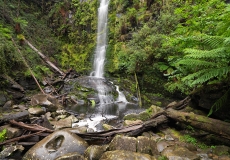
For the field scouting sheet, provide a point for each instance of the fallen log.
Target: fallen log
(45, 58)
(205, 123)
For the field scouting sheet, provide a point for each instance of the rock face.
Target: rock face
(55, 145)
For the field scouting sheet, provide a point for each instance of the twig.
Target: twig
(31, 127)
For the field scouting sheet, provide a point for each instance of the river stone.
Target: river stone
(56, 145)
(94, 152)
(71, 156)
(11, 132)
(62, 123)
(45, 100)
(125, 155)
(121, 142)
(161, 145)
(177, 152)
(36, 111)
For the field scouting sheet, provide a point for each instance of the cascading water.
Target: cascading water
(99, 59)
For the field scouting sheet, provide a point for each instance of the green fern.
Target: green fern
(219, 103)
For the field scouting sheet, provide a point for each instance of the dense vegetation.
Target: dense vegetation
(173, 46)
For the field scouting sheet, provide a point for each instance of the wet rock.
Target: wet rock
(94, 152)
(177, 152)
(48, 101)
(71, 156)
(161, 145)
(62, 123)
(120, 142)
(82, 129)
(36, 111)
(107, 127)
(146, 145)
(125, 155)
(11, 132)
(55, 145)
(130, 122)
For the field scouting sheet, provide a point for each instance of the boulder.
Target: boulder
(120, 142)
(45, 100)
(55, 145)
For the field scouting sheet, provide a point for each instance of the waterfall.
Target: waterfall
(99, 59)
(100, 52)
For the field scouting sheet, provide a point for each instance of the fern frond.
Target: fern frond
(211, 73)
(213, 41)
(211, 54)
(219, 103)
(191, 63)
(227, 41)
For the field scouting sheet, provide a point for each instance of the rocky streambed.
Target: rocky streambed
(59, 137)
(45, 130)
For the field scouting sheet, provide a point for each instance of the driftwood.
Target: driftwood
(205, 123)
(45, 58)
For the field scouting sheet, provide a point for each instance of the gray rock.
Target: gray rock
(8, 105)
(48, 101)
(161, 145)
(180, 153)
(55, 145)
(94, 152)
(120, 142)
(125, 155)
(36, 111)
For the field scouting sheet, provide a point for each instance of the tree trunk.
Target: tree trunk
(45, 58)
(201, 122)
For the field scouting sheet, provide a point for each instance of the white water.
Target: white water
(100, 52)
(99, 59)
(121, 97)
